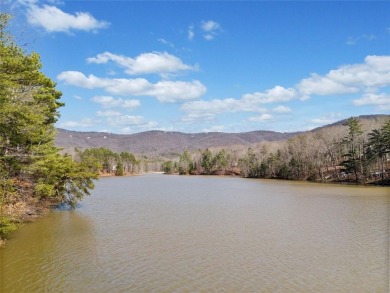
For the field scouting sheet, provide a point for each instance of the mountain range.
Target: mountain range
(170, 144)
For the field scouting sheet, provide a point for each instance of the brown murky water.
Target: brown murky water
(159, 233)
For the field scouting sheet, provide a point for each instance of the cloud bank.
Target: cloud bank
(164, 91)
(366, 79)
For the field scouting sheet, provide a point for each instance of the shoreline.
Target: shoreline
(377, 183)
(29, 209)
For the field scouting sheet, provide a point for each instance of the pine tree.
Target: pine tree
(353, 162)
(29, 103)
(379, 146)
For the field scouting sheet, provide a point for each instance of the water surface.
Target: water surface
(159, 233)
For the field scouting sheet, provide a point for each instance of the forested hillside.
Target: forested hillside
(352, 150)
(355, 151)
(161, 143)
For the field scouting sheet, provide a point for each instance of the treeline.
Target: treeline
(106, 162)
(33, 173)
(353, 152)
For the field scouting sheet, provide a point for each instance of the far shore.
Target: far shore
(128, 175)
(379, 183)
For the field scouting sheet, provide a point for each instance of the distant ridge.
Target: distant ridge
(171, 144)
(361, 117)
(160, 142)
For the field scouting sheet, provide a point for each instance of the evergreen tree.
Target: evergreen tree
(29, 104)
(168, 167)
(220, 160)
(353, 158)
(207, 161)
(129, 162)
(185, 166)
(379, 146)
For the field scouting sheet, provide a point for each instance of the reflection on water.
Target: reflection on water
(160, 233)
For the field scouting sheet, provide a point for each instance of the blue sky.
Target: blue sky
(201, 66)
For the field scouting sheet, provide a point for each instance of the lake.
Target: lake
(159, 233)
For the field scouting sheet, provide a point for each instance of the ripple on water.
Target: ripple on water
(197, 234)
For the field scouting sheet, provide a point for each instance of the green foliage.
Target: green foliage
(379, 146)
(129, 162)
(7, 225)
(220, 161)
(379, 141)
(119, 169)
(336, 155)
(7, 190)
(29, 104)
(104, 160)
(263, 170)
(354, 129)
(88, 160)
(207, 161)
(28, 99)
(283, 172)
(250, 165)
(168, 167)
(185, 166)
(353, 162)
(61, 177)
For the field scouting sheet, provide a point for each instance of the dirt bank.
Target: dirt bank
(26, 209)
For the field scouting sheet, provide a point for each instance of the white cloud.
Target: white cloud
(177, 91)
(165, 42)
(322, 121)
(164, 91)
(110, 102)
(211, 29)
(323, 86)
(126, 120)
(56, 2)
(108, 113)
(210, 26)
(281, 109)
(84, 123)
(372, 74)
(190, 32)
(380, 100)
(130, 124)
(53, 19)
(354, 40)
(248, 103)
(120, 86)
(276, 94)
(261, 118)
(326, 119)
(198, 116)
(215, 106)
(215, 128)
(146, 63)
(209, 37)
(366, 77)
(375, 72)
(137, 128)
